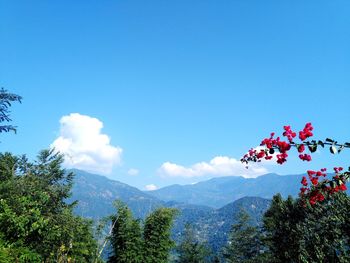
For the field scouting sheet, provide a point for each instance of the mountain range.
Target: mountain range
(221, 191)
(96, 194)
(210, 206)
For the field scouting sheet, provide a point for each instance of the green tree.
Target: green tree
(34, 214)
(36, 223)
(244, 243)
(296, 232)
(6, 99)
(190, 250)
(126, 237)
(281, 229)
(156, 233)
(132, 243)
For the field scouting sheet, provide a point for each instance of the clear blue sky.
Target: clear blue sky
(177, 81)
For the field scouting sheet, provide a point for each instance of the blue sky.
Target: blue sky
(177, 82)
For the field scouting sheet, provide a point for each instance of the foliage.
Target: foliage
(190, 250)
(313, 233)
(6, 99)
(156, 234)
(132, 243)
(126, 236)
(35, 220)
(244, 243)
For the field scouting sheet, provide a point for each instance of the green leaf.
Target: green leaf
(333, 149)
(312, 148)
(341, 148)
(321, 143)
(329, 140)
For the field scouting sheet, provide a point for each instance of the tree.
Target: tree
(190, 250)
(34, 214)
(36, 223)
(314, 227)
(281, 231)
(315, 233)
(131, 243)
(244, 243)
(126, 239)
(156, 233)
(6, 99)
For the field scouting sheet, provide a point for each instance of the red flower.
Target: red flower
(316, 196)
(306, 132)
(320, 197)
(314, 180)
(304, 181)
(319, 173)
(342, 187)
(305, 157)
(301, 148)
(252, 152)
(310, 173)
(289, 133)
(338, 169)
(283, 146)
(281, 158)
(261, 154)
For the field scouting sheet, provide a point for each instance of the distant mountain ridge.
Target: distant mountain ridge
(213, 225)
(95, 195)
(220, 191)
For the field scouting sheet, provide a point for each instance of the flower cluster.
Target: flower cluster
(289, 133)
(319, 190)
(281, 146)
(305, 157)
(306, 132)
(316, 188)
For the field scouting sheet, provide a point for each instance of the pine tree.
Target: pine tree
(6, 99)
(244, 241)
(157, 240)
(296, 232)
(126, 236)
(190, 250)
(35, 219)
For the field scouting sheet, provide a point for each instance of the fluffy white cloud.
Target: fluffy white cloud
(84, 146)
(218, 166)
(151, 187)
(133, 172)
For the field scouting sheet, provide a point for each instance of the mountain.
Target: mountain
(220, 191)
(97, 193)
(213, 225)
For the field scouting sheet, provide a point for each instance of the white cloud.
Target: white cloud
(84, 146)
(133, 172)
(218, 166)
(151, 187)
